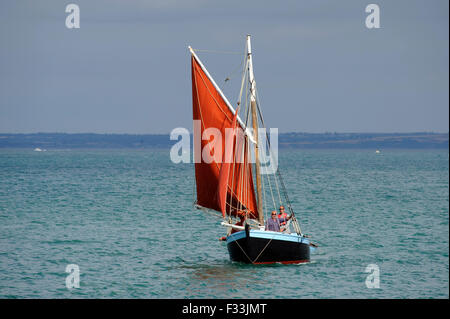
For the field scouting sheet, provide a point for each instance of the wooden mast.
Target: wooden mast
(255, 131)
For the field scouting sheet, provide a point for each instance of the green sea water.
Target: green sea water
(125, 217)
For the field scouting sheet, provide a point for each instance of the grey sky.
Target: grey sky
(317, 67)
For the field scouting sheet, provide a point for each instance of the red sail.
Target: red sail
(211, 110)
(227, 159)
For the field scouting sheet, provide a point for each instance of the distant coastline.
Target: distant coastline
(285, 140)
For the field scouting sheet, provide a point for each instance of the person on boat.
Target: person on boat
(274, 222)
(282, 214)
(242, 216)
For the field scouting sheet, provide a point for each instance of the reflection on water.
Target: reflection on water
(224, 279)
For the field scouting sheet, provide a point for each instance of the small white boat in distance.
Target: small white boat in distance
(377, 151)
(37, 149)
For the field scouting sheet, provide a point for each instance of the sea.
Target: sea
(120, 223)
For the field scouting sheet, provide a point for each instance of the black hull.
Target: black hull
(257, 250)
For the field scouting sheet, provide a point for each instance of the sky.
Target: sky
(318, 68)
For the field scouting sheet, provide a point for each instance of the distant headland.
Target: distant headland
(285, 140)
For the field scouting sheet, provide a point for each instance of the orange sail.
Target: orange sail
(227, 159)
(212, 111)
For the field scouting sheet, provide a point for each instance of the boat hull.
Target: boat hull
(266, 247)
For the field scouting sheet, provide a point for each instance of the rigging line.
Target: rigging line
(235, 196)
(241, 176)
(243, 251)
(250, 186)
(201, 116)
(271, 159)
(234, 168)
(241, 203)
(241, 179)
(247, 104)
(234, 207)
(267, 177)
(260, 253)
(246, 149)
(240, 184)
(242, 83)
(247, 121)
(226, 115)
(262, 121)
(218, 105)
(233, 73)
(232, 177)
(246, 144)
(245, 177)
(216, 51)
(247, 174)
(211, 212)
(232, 191)
(270, 186)
(232, 182)
(264, 195)
(278, 190)
(263, 249)
(244, 173)
(263, 166)
(222, 95)
(296, 224)
(236, 141)
(202, 121)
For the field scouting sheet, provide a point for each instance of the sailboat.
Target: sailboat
(225, 183)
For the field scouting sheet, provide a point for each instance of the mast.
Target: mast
(255, 131)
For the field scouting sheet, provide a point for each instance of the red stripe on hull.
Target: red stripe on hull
(282, 262)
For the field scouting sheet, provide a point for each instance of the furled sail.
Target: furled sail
(212, 111)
